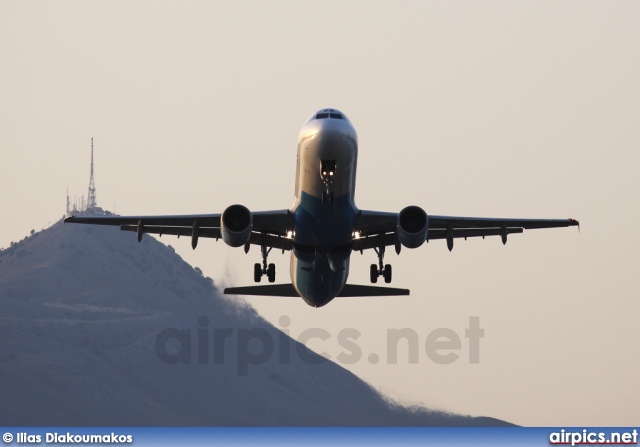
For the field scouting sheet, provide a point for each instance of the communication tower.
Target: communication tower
(91, 197)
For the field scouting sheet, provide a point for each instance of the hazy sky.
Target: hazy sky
(496, 109)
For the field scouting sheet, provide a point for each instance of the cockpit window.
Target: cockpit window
(327, 113)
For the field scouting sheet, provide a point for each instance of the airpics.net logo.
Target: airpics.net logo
(255, 346)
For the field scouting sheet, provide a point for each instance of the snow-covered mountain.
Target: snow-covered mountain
(91, 326)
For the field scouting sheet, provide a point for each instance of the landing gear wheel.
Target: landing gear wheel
(271, 273)
(380, 269)
(257, 272)
(374, 273)
(387, 273)
(261, 269)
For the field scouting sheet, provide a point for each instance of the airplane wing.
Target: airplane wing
(379, 228)
(268, 226)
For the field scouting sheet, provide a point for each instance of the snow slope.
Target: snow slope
(82, 309)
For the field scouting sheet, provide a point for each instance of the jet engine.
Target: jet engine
(235, 225)
(413, 224)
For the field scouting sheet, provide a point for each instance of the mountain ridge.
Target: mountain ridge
(83, 308)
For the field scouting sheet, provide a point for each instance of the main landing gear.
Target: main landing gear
(260, 270)
(380, 269)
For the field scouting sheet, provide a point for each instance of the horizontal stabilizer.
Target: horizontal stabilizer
(266, 290)
(289, 290)
(357, 290)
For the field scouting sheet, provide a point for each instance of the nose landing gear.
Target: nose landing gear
(327, 173)
(327, 196)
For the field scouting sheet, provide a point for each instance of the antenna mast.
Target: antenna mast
(91, 197)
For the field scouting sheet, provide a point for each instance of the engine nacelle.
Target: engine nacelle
(413, 224)
(235, 225)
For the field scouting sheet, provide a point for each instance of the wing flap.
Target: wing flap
(443, 222)
(471, 232)
(175, 231)
(278, 242)
(389, 239)
(368, 242)
(204, 220)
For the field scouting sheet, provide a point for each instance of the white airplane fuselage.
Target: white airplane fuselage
(324, 210)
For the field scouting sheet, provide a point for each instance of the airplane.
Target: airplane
(324, 226)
